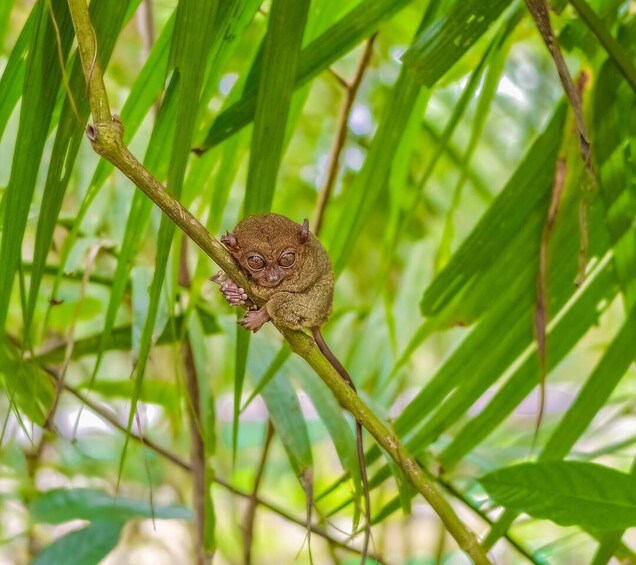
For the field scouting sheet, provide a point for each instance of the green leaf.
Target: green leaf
(566, 492)
(120, 338)
(43, 69)
(191, 40)
(153, 391)
(61, 505)
(342, 233)
(442, 43)
(12, 79)
(597, 389)
(527, 188)
(621, 59)
(578, 318)
(615, 157)
(87, 546)
(28, 388)
(107, 22)
(335, 42)
(287, 19)
(282, 405)
(5, 13)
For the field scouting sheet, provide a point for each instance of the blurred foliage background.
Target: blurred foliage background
(425, 141)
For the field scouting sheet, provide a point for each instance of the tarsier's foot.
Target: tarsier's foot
(233, 293)
(254, 319)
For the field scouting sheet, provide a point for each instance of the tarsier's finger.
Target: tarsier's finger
(233, 290)
(234, 294)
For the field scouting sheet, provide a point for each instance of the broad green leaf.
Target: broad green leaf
(87, 546)
(612, 101)
(61, 505)
(43, 68)
(597, 389)
(336, 41)
(442, 43)
(566, 492)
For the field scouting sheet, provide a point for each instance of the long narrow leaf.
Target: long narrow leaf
(43, 68)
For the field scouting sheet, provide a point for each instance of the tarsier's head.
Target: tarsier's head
(269, 247)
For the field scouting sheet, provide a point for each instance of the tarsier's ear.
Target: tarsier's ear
(230, 241)
(303, 233)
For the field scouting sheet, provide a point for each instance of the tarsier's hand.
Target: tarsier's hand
(254, 319)
(236, 296)
(233, 293)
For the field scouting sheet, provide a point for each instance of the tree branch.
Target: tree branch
(106, 138)
(250, 513)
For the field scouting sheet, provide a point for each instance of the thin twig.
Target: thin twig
(197, 445)
(106, 136)
(250, 513)
(351, 90)
(541, 313)
(197, 451)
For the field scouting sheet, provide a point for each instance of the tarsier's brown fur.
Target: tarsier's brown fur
(289, 269)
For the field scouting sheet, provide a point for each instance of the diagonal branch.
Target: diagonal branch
(106, 138)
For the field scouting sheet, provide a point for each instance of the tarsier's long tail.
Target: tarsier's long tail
(322, 345)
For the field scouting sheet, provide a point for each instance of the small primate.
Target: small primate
(290, 270)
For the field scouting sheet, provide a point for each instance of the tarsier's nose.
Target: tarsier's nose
(272, 277)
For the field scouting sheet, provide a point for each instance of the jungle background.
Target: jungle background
(482, 228)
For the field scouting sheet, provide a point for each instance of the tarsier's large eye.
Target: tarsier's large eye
(287, 259)
(256, 262)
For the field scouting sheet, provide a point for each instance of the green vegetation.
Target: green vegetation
(474, 183)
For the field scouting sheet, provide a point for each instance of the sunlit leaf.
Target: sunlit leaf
(566, 492)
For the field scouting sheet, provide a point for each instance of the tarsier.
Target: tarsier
(290, 271)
